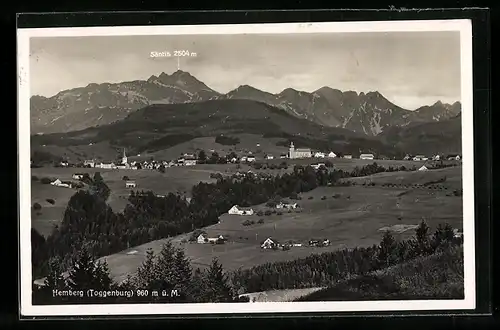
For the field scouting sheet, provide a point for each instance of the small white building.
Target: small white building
(423, 168)
(332, 154)
(250, 159)
(286, 206)
(269, 157)
(64, 164)
(366, 156)
(317, 166)
(283, 156)
(237, 210)
(202, 238)
(319, 155)
(348, 156)
(437, 157)
(106, 165)
(130, 184)
(419, 158)
(89, 163)
(269, 243)
(77, 176)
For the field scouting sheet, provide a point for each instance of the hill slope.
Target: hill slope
(157, 127)
(427, 138)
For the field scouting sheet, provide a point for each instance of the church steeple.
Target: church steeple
(124, 158)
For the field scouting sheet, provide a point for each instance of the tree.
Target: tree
(217, 288)
(442, 236)
(202, 156)
(161, 168)
(87, 274)
(387, 253)
(99, 187)
(145, 273)
(422, 237)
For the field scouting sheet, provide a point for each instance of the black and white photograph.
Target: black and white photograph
(293, 167)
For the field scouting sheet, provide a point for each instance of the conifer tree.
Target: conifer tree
(216, 286)
(387, 250)
(422, 237)
(86, 273)
(146, 272)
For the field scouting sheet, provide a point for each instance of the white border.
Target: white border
(465, 28)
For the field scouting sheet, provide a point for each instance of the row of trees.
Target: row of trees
(162, 278)
(328, 268)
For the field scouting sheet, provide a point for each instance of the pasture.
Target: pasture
(349, 216)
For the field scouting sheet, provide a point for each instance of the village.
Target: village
(189, 159)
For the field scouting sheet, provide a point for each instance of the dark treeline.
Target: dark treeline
(163, 278)
(326, 269)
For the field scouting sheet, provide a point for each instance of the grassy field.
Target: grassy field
(348, 216)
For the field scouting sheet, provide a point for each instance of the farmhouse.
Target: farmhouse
(348, 156)
(130, 184)
(319, 155)
(317, 166)
(189, 161)
(366, 156)
(269, 157)
(64, 164)
(436, 157)
(250, 159)
(89, 163)
(298, 153)
(282, 205)
(453, 157)
(419, 157)
(59, 183)
(283, 156)
(332, 155)
(423, 168)
(77, 176)
(236, 210)
(106, 165)
(202, 238)
(269, 244)
(407, 157)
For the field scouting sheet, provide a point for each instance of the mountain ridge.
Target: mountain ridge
(367, 113)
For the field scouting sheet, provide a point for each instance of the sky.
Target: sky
(410, 69)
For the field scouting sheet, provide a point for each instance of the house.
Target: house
(130, 184)
(269, 157)
(419, 158)
(423, 168)
(332, 155)
(59, 183)
(317, 166)
(250, 159)
(366, 156)
(283, 156)
(202, 238)
(437, 157)
(64, 164)
(106, 165)
(282, 205)
(269, 243)
(407, 157)
(348, 156)
(236, 210)
(56, 182)
(189, 160)
(89, 163)
(319, 155)
(244, 158)
(77, 176)
(314, 242)
(326, 242)
(298, 153)
(453, 157)
(457, 234)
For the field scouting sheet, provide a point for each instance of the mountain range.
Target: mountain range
(369, 114)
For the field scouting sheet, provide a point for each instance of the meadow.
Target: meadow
(349, 216)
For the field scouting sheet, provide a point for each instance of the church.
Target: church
(299, 153)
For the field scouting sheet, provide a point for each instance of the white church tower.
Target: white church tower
(124, 158)
(291, 151)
